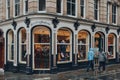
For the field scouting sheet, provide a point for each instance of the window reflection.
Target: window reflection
(41, 47)
(82, 44)
(111, 45)
(10, 45)
(63, 45)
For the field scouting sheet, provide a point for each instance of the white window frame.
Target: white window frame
(70, 15)
(24, 8)
(108, 13)
(61, 62)
(97, 10)
(9, 44)
(84, 6)
(113, 48)
(7, 6)
(44, 10)
(61, 8)
(18, 12)
(114, 14)
(87, 44)
(20, 44)
(33, 65)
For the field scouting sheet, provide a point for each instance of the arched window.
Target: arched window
(83, 44)
(10, 45)
(22, 45)
(64, 45)
(41, 43)
(111, 46)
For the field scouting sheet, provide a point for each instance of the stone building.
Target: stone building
(39, 36)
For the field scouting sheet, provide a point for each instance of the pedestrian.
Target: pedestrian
(90, 60)
(102, 60)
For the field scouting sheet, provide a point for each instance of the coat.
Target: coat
(91, 54)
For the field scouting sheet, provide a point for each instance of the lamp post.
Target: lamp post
(76, 25)
(14, 24)
(28, 68)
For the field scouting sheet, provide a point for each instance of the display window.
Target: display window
(10, 46)
(22, 46)
(111, 46)
(83, 45)
(41, 53)
(64, 43)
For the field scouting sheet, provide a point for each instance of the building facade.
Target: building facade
(38, 36)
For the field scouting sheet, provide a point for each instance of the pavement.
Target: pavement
(112, 73)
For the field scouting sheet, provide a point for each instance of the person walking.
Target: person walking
(102, 60)
(90, 60)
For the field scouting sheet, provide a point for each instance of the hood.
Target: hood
(91, 49)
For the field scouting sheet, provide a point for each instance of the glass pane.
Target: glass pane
(68, 9)
(82, 44)
(59, 6)
(73, 9)
(23, 52)
(41, 56)
(63, 45)
(42, 5)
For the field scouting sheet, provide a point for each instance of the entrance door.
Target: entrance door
(99, 41)
(1, 53)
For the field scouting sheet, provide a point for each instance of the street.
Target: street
(112, 73)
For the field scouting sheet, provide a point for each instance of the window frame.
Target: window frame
(20, 44)
(25, 10)
(68, 44)
(8, 9)
(41, 11)
(84, 8)
(70, 14)
(18, 8)
(96, 10)
(10, 44)
(114, 15)
(87, 44)
(108, 13)
(61, 8)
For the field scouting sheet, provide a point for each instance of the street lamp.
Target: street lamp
(14, 24)
(27, 22)
(107, 29)
(76, 24)
(93, 27)
(55, 21)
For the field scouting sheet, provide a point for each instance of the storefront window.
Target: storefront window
(41, 52)
(83, 45)
(111, 45)
(64, 45)
(22, 46)
(10, 45)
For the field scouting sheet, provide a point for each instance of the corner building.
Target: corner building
(48, 36)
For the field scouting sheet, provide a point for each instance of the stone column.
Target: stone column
(28, 66)
(14, 24)
(55, 22)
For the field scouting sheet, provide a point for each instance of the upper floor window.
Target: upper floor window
(96, 9)
(108, 12)
(26, 6)
(42, 4)
(114, 13)
(59, 6)
(71, 4)
(17, 7)
(8, 9)
(82, 4)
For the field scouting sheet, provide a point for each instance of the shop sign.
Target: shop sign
(40, 23)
